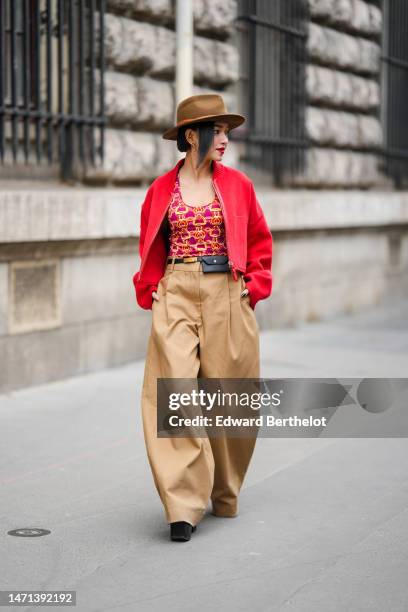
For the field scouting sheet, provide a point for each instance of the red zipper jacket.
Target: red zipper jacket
(248, 237)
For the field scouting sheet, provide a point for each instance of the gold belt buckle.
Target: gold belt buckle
(189, 259)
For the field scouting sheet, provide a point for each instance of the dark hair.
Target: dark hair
(205, 138)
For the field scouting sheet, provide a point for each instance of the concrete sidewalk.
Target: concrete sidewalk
(322, 523)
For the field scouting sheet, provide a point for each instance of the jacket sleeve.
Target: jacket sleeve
(258, 275)
(144, 290)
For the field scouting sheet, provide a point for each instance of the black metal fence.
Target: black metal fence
(273, 54)
(395, 89)
(50, 53)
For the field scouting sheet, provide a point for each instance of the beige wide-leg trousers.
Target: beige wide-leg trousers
(201, 327)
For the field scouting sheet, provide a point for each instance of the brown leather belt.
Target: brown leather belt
(191, 259)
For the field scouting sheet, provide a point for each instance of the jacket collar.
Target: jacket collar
(170, 177)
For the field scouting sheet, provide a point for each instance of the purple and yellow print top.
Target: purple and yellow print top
(195, 230)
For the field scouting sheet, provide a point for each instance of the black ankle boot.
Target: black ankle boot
(181, 531)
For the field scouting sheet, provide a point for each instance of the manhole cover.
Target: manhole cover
(29, 532)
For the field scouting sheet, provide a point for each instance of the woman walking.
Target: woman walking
(202, 216)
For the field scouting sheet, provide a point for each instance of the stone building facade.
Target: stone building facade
(68, 251)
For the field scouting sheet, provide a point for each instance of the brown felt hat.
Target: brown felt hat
(202, 107)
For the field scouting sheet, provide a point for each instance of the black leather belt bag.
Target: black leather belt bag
(215, 263)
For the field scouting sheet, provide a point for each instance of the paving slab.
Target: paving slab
(322, 522)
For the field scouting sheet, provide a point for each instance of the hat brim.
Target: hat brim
(233, 120)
